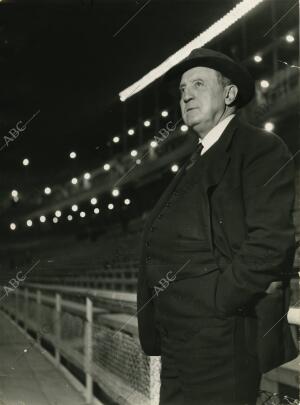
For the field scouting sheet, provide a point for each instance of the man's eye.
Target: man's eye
(198, 83)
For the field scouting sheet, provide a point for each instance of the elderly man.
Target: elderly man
(213, 286)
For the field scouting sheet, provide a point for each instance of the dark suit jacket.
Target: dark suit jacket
(249, 192)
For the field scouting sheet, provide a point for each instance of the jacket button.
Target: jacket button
(220, 221)
(160, 216)
(148, 258)
(168, 204)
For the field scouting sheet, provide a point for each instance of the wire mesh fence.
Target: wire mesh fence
(270, 398)
(121, 354)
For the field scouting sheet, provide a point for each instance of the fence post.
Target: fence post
(88, 350)
(57, 327)
(38, 314)
(154, 370)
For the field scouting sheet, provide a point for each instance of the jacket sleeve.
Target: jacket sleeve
(268, 190)
(148, 333)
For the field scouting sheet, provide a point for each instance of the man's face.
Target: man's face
(202, 98)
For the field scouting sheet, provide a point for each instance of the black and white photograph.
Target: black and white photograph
(150, 202)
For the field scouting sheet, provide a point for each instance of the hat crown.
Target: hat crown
(205, 52)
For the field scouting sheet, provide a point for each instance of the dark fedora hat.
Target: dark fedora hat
(223, 64)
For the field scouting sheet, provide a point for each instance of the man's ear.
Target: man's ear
(231, 94)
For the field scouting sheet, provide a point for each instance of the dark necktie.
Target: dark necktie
(194, 156)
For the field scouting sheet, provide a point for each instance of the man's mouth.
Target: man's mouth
(190, 109)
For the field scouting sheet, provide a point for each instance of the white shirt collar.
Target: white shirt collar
(214, 134)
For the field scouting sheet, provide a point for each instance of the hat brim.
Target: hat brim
(230, 69)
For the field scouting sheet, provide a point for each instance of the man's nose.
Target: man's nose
(187, 95)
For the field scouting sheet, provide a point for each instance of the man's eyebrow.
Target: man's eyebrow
(193, 80)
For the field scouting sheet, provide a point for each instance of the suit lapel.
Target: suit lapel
(218, 157)
(213, 165)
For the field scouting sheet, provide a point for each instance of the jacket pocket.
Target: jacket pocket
(196, 270)
(159, 274)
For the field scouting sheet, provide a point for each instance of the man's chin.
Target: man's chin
(194, 124)
(193, 118)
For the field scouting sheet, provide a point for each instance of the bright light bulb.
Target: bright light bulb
(138, 161)
(269, 126)
(264, 84)
(164, 113)
(110, 206)
(73, 155)
(116, 139)
(290, 38)
(74, 208)
(147, 123)
(58, 213)
(69, 217)
(74, 180)
(29, 222)
(153, 144)
(55, 220)
(82, 214)
(115, 192)
(14, 193)
(13, 226)
(133, 153)
(174, 168)
(257, 58)
(184, 128)
(94, 201)
(87, 176)
(96, 210)
(131, 131)
(42, 218)
(47, 190)
(127, 201)
(106, 167)
(25, 162)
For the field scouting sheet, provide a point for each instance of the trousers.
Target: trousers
(194, 373)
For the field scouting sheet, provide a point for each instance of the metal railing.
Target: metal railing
(93, 330)
(96, 332)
